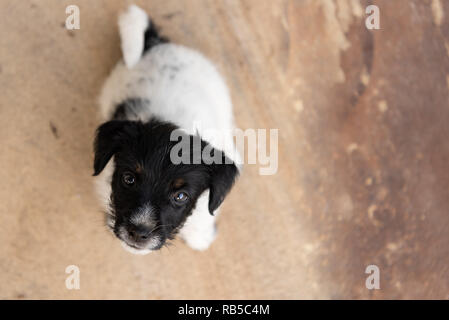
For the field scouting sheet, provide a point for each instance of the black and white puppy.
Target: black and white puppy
(157, 89)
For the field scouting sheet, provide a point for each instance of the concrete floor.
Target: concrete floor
(363, 151)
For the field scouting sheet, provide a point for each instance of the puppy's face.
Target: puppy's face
(151, 196)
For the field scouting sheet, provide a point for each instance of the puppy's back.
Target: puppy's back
(173, 83)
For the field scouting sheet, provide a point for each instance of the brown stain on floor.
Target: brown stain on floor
(363, 155)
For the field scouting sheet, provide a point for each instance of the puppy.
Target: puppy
(158, 105)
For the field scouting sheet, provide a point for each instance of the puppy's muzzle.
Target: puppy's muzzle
(139, 234)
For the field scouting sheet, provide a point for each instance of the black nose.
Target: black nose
(139, 233)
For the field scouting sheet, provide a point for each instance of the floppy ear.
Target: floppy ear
(109, 137)
(222, 178)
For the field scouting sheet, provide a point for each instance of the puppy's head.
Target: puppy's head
(152, 196)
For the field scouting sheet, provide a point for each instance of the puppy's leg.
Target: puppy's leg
(199, 230)
(138, 34)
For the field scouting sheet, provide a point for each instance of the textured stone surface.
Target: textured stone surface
(363, 154)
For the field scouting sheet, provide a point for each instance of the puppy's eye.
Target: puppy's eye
(181, 197)
(128, 179)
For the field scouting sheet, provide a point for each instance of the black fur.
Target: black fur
(222, 177)
(130, 108)
(144, 150)
(152, 37)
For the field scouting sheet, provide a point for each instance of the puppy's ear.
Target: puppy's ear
(109, 137)
(222, 178)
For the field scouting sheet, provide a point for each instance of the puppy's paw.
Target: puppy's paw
(200, 240)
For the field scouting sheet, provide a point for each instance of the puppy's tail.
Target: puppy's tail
(138, 35)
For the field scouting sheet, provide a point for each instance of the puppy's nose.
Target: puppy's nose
(139, 233)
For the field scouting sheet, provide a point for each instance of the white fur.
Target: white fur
(199, 229)
(138, 251)
(132, 25)
(183, 87)
(194, 97)
(144, 216)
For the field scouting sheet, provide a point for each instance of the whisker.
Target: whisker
(162, 225)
